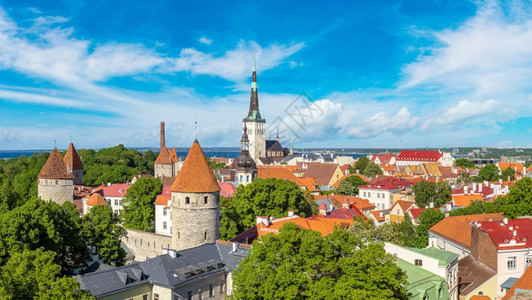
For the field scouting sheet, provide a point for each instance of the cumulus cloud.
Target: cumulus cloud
(205, 40)
(465, 111)
(382, 122)
(6, 136)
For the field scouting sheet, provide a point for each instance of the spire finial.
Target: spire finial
(254, 64)
(196, 126)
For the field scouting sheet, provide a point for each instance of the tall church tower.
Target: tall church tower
(74, 165)
(195, 202)
(246, 170)
(255, 124)
(55, 183)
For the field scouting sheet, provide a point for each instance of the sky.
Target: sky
(343, 74)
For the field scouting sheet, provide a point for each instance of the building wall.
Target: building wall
(337, 175)
(115, 203)
(489, 288)
(161, 170)
(428, 263)
(382, 199)
(57, 190)
(135, 294)
(160, 218)
(197, 222)
(162, 292)
(202, 285)
(443, 244)
(146, 244)
(257, 139)
(247, 177)
(503, 273)
(482, 248)
(78, 176)
(446, 160)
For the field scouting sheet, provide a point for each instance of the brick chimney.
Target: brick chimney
(323, 209)
(162, 135)
(345, 203)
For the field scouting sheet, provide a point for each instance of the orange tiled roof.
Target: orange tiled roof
(477, 297)
(173, 155)
(324, 226)
(337, 183)
(195, 175)
(505, 165)
(405, 205)
(523, 283)
(96, 199)
(292, 168)
(377, 215)
(164, 157)
(310, 183)
(72, 158)
(465, 200)
(452, 228)
(55, 167)
(280, 172)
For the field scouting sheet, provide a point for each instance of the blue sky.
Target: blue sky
(353, 74)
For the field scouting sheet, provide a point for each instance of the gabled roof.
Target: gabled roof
(415, 212)
(405, 205)
(503, 236)
(377, 215)
(96, 199)
(72, 158)
(55, 167)
(324, 226)
(162, 199)
(321, 172)
(195, 175)
(280, 172)
(465, 200)
(164, 157)
(521, 170)
(473, 274)
(383, 158)
(420, 155)
(458, 229)
(115, 190)
(522, 285)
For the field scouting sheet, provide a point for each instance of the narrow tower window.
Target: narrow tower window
(205, 235)
(205, 199)
(187, 200)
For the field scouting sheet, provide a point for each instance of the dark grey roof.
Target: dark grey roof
(164, 270)
(273, 145)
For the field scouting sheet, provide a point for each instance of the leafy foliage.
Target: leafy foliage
(139, 209)
(426, 192)
(464, 163)
(518, 202)
(427, 219)
(354, 181)
(263, 197)
(299, 263)
(102, 230)
(360, 165)
(215, 165)
(489, 172)
(508, 174)
(371, 170)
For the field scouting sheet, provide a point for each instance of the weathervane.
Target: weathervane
(196, 126)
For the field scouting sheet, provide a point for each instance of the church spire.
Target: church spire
(254, 113)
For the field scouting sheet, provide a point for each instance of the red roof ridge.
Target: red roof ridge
(55, 167)
(195, 175)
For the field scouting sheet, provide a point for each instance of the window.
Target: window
(512, 263)
(205, 235)
(418, 262)
(398, 211)
(189, 296)
(205, 199)
(116, 202)
(187, 200)
(120, 202)
(369, 194)
(164, 225)
(241, 178)
(145, 297)
(116, 211)
(383, 196)
(164, 211)
(247, 178)
(528, 261)
(378, 195)
(155, 296)
(364, 194)
(211, 290)
(178, 235)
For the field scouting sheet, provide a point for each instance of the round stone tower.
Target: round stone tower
(73, 163)
(55, 183)
(195, 202)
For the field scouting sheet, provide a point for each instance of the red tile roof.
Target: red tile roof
(523, 283)
(195, 175)
(405, 205)
(55, 167)
(521, 170)
(227, 189)
(164, 157)
(415, 212)
(72, 158)
(324, 226)
(504, 238)
(115, 190)
(453, 228)
(162, 199)
(390, 183)
(383, 158)
(96, 199)
(420, 155)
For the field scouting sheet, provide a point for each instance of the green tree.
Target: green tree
(489, 172)
(406, 231)
(139, 210)
(361, 164)
(346, 188)
(426, 192)
(263, 197)
(33, 274)
(478, 207)
(528, 164)
(427, 219)
(371, 170)
(508, 174)
(464, 163)
(355, 181)
(518, 202)
(101, 229)
(299, 263)
(464, 178)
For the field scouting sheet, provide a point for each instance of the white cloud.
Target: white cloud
(465, 111)
(205, 40)
(6, 136)
(382, 122)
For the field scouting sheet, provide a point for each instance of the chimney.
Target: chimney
(235, 246)
(290, 213)
(500, 180)
(381, 214)
(323, 209)
(474, 186)
(345, 203)
(480, 187)
(162, 135)
(505, 221)
(515, 233)
(465, 190)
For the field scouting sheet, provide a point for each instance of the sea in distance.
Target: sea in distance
(210, 152)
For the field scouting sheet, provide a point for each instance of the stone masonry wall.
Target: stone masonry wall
(195, 223)
(57, 190)
(146, 244)
(203, 285)
(483, 249)
(78, 176)
(163, 170)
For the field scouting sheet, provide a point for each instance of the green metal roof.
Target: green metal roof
(444, 257)
(422, 282)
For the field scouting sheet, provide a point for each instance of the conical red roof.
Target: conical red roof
(195, 175)
(96, 199)
(72, 158)
(164, 157)
(55, 167)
